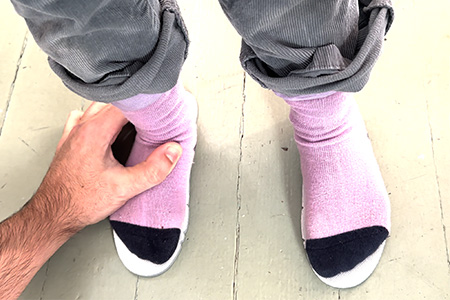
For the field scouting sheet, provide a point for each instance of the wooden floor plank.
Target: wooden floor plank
(272, 263)
(12, 37)
(244, 236)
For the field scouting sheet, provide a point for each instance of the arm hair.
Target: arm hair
(31, 236)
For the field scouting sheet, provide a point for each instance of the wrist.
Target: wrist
(52, 207)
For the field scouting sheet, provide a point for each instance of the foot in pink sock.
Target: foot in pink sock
(346, 211)
(149, 229)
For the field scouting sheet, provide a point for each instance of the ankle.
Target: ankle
(326, 120)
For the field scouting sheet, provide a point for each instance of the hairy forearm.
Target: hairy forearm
(29, 238)
(84, 185)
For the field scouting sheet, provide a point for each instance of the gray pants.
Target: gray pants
(108, 50)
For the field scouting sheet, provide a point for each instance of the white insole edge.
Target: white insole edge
(358, 274)
(144, 267)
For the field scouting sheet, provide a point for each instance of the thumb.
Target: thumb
(153, 170)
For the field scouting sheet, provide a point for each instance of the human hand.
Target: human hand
(85, 183)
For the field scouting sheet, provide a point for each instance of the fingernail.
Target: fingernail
(172, 153)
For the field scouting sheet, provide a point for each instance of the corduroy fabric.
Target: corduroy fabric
(108, 50)
(312, 46)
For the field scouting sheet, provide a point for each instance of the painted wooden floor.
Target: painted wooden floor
(244, 236)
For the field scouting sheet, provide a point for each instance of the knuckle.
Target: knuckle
(121, 191)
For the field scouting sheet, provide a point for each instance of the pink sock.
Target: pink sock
(346, 211)
(150, 228)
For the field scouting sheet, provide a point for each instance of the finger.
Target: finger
(73, 119)
(152, 171)
(108, 122)
(92, 110)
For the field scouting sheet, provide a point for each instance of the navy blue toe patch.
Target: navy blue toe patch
(155, 245)
(340, 253)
